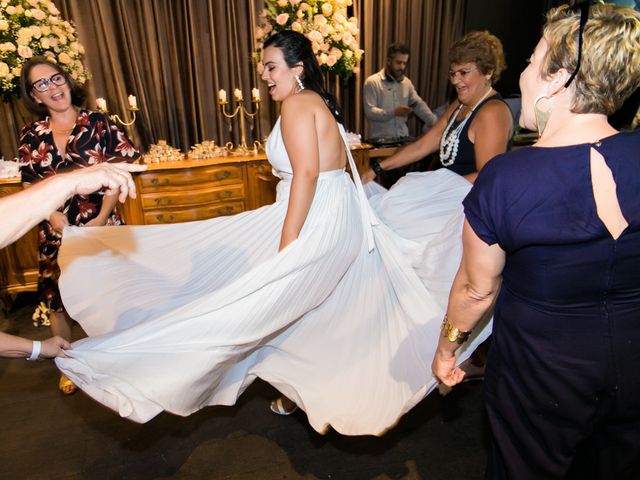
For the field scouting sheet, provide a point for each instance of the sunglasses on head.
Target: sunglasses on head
(583, 5)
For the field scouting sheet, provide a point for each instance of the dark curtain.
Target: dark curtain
(174, 55)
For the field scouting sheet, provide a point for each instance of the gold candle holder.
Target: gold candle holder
(241, 112)
(101, 103)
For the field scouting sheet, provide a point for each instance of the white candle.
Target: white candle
(237, 94)
(222, 95)
(101, 103)
(255, 93)
(133, 102)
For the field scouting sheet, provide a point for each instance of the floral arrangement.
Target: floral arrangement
(41, 316)
(333, 35)
(30, 28)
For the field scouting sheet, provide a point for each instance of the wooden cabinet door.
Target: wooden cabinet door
(18, 261)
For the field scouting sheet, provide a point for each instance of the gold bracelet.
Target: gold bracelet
(453, 334)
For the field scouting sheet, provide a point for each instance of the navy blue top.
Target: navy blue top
(568, 287)
(465, 161)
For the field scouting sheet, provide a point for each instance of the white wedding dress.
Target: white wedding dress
(344, 320)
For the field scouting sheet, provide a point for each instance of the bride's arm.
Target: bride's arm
(301, 141)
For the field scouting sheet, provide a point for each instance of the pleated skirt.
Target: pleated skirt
(185, 316)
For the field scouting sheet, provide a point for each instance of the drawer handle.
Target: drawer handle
(267, 178)
(224, 194)
(225, 211)
(163, 201)
(221, 175)
(161, 218)
(156, 181)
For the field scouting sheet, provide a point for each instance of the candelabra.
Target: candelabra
(101, 103)
(241, 112)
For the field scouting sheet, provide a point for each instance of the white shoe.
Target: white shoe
(277, 406)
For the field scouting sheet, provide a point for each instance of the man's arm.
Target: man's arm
(21, 211)
(420, 108)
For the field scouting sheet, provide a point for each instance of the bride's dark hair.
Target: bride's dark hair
(296, 48)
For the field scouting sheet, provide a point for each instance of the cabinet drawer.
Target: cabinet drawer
(192, 197)
(216, 173)
(191, 214)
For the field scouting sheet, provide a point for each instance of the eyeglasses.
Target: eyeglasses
(463, 72)
(43, 84)
(584, 16)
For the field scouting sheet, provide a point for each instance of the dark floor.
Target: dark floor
(46, 435)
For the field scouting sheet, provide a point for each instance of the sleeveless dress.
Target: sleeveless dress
(188, 315)
(465, 161)
(422, 204)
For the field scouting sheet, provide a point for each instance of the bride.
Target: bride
(312, 294)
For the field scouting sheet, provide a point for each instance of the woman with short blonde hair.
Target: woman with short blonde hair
(551, 237)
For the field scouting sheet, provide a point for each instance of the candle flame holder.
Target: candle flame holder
(116, 118)
(241, 112)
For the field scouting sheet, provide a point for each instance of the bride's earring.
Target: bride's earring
(300, 84)
(542, 116)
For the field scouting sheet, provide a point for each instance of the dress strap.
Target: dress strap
(368, 216)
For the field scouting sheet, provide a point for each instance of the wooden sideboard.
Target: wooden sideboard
(168, 192)
(187, 190)
(18, 261)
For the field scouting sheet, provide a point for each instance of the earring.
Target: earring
(542, 117)
(300, 84)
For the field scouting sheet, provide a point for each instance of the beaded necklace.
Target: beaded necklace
(450, 140)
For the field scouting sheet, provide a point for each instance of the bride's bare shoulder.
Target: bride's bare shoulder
(307, 99)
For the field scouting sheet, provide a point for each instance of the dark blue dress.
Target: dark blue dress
(562, 385)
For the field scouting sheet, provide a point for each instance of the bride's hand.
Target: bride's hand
(367, 176)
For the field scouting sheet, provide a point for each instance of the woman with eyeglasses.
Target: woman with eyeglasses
(66, 137)
(552, 236)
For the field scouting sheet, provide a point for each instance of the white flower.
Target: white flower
(52, 9)
(64, 58)
(25, 52)
(4, 69)
(282, 18)
(323, 22)
(38, 14)
(30, 27)
(36, 32)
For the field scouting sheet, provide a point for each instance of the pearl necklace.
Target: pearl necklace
(450, 140)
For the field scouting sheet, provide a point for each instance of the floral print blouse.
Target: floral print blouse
(94, 139)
